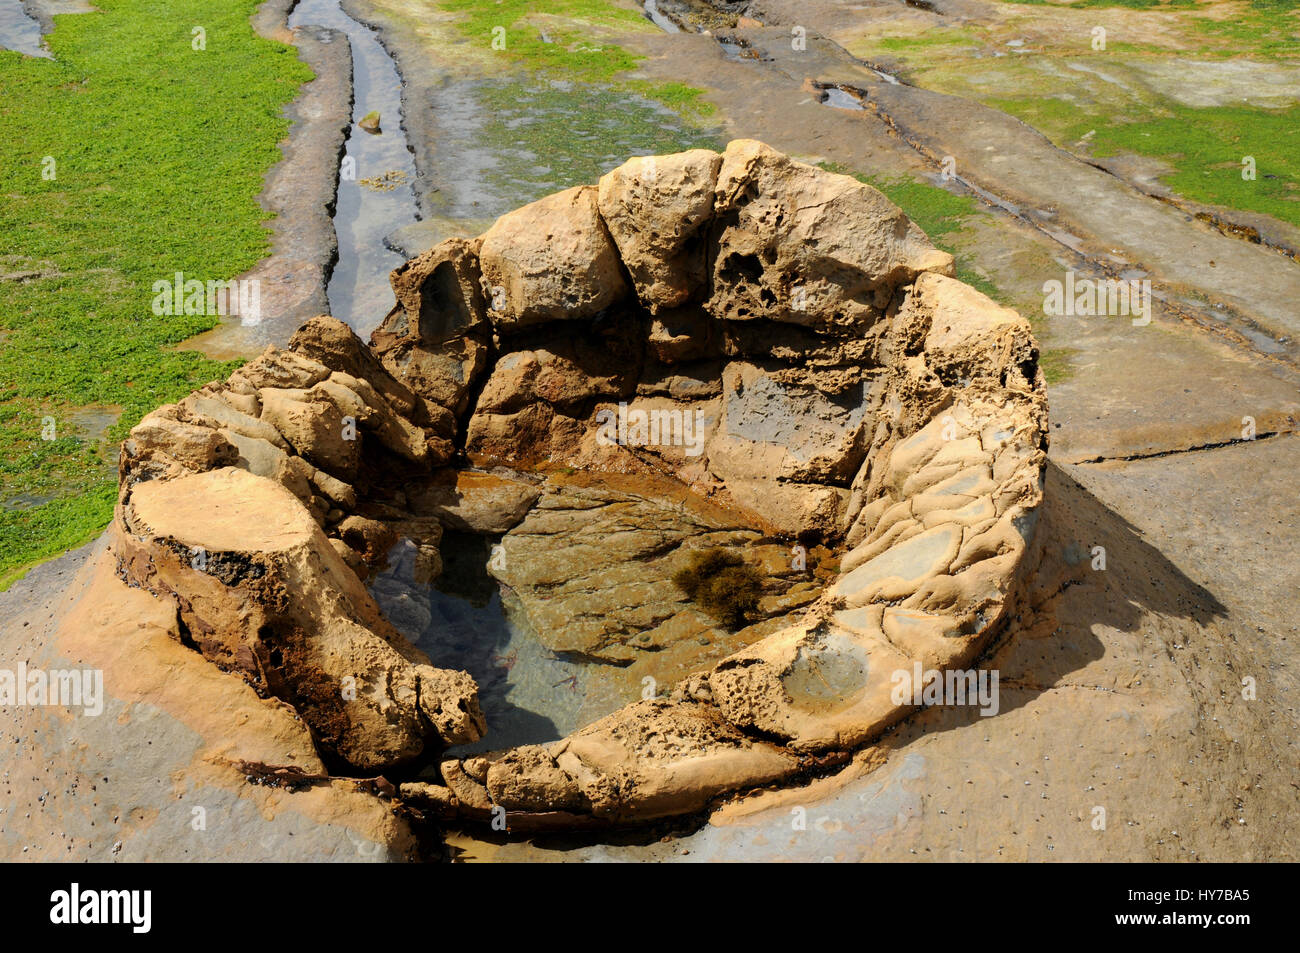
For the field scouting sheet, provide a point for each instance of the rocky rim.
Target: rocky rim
(850, 393)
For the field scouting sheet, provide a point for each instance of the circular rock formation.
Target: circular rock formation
(707, 350)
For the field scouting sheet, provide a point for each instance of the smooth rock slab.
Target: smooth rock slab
(899, 571)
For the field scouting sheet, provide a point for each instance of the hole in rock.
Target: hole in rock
(575, 612)
(520, 482)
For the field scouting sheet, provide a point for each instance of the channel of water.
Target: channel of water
(377, 174)
(19, 32)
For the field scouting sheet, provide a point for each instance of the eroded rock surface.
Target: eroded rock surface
(733, 351)
(248, 507)
(593, 562)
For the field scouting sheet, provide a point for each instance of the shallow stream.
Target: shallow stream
(19, 32)
(376, 181)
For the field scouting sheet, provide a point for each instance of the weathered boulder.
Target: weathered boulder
(551, 260)
(475, 502)
(277, 368)
(652, 759)
(261, 592)
(338, 348)
(657, 209)
(772, 429)
(208, 409)
(436, 340)
(536, 401)
(320, 428)
(683, 334)
(522, 378)
(806, 246)
(161, 436)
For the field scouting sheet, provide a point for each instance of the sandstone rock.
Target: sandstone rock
(358, 398)
(696, 381)
(548, 261)
(277, 368)
(683, 334)
(316, 427)
(175, 733)
(476, 502)
(470, 793)
(970, 337)
(528, 437)
(273, 601)
(899, 571)
(432, 797)
(772, 430)
(435, 339)
(793, 509)
(368, 537)
(806, 246)
(244, 403)
(439, 295)
(265, 459)
(651, 759)
(219, 415)
(656, 209)
(334, 489)
(354, 560)
(334, 344)
(820, 687)
(521, 378)
(535, 401)
(194, 447)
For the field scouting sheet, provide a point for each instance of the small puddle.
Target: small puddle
(376, 187)
(19, 32)
(1262, 340)
(740, 50)
(840, 99)
(465, 620)
(827, 674)
(1009, 207)
(889, 78)
(656, 17)
(1068, 239)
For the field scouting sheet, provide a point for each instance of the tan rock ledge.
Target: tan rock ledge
(788, 360)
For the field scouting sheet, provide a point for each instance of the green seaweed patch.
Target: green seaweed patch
(685, 100)
(722, 583)
(1262, 28)
(54, 527)
(946, 37)
(1205, 146)
(573, 41)
(567, 37)
(546, 144)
